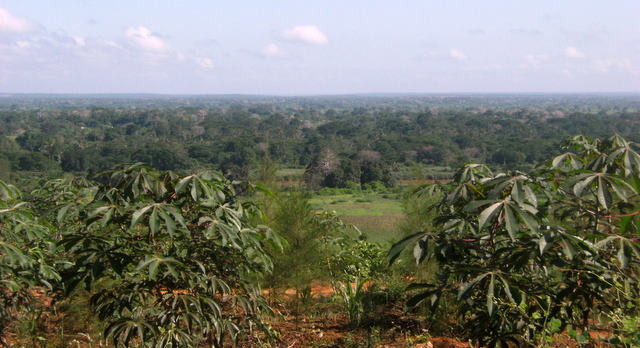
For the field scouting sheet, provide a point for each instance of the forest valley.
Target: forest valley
(363, 221)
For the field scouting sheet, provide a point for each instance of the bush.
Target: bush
(356, 263)
(305, 231)
(180, 253)
(27, 255)
(520, 251)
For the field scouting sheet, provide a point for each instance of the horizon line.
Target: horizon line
(357, 94)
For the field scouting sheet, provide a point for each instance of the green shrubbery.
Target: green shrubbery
(523, 256)
(27, 247)
(307, 234)
(168, 260)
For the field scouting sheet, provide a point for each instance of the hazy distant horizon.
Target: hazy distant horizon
(292, 48)
(365, 94)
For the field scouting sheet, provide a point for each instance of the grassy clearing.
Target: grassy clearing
(376, 215)
(290, 172)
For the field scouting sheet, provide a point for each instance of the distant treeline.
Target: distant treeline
(341, 140)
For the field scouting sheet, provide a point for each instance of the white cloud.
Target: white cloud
(573, 52)
(79, 40)
(23, 44)
(144, 38)
(605, 65)
(204, 62)
(534, 60)
(457, 54)
(272, 50)
(485, 68)
(306, 33)
(110, 43)
(13, 24)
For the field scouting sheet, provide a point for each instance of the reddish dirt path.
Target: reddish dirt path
(318, 289)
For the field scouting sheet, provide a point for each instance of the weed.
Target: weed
(351, 296)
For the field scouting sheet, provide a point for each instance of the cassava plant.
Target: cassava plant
(518, 252)
(175, 258)
(26, 258)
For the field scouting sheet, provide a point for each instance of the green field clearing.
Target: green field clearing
(290, 172)
(373, 214)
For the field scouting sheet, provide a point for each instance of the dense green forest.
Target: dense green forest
(361, 139)
(172, 221)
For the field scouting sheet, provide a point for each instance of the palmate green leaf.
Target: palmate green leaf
(603, 185)
(137, 215)
(472, 172)
(569, 250)
(618, 141)
(13, 208)
(159, 213)
(621, 188)
(175, 336)
(153, 263)
(511, 222)
(103, 214)
(12, 255)
(572, 244)
(604, 196)
(465, 288)
(598, 164)
(473, 205)
(490, 294)
(49, 272)
(98, 211)
(459, 227)
(182, 184)
(433, 295)
(427, 190)
(488, 214)
(627, 249)
(10, 284)
(517, 192)
(630, 158)
(198, 188)
(529, 220)
(421, 250)
(169, 222)
(530, 195)
(8, 192)
(154, 223)
(507, 289)
(124, 331)
(543, 244)
(195, 191)
(513, 184)
(397, 248)
(582, 184)
(62, 213)
(567, 160)
(623, 254)
(177, 216)
(138, 180)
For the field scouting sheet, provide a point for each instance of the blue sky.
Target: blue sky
(319, 47)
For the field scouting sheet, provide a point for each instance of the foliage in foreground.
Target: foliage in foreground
(25, 245)
(525, 255)
(306, 233)
(178, 254)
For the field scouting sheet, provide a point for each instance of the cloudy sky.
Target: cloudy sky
(319, 47)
